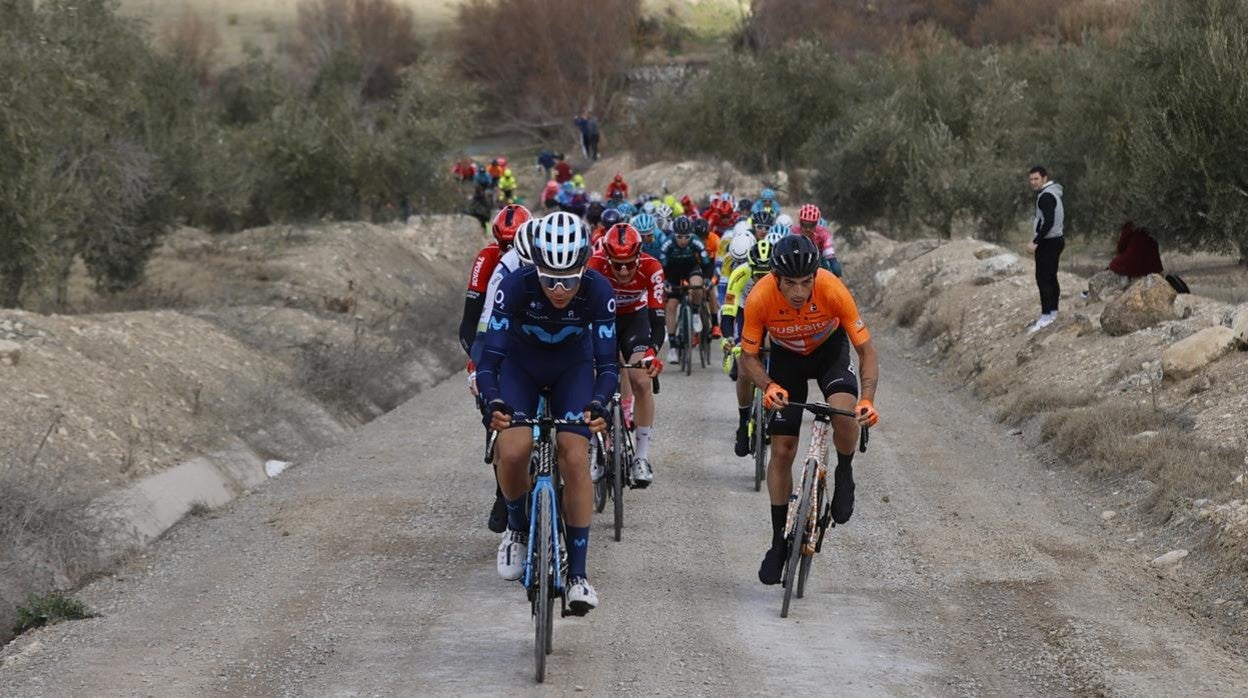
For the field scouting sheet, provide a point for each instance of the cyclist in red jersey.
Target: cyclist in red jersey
(506, 222)
(638, 281)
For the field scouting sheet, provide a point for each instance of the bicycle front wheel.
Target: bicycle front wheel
(803, 570)
(542, 618)
(617, 468)
(686, 340)
(799, 532)
(600, 487)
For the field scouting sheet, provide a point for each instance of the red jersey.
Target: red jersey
(563, 172)
(483, 269)
(617, 185)
(644, 290)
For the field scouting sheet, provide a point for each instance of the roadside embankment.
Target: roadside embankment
(264, 345)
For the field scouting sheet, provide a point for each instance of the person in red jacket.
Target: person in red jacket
(1138, 254)
(638, 281)
(563, 171)
(617, 186)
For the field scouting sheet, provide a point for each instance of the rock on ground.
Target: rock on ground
(1188, 356)
(1145, 303)
(1105, 284)
(1239, 326)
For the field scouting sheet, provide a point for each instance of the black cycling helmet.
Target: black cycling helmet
(745, 205)
(683, 225)
(701, 227)
(764, 218)
(610, 217)
(593, 213)
(794, 256)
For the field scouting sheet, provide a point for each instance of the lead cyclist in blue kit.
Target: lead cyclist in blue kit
(553, 326)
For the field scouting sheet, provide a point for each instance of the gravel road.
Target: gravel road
(970, 568)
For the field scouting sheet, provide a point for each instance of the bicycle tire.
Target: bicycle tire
(795, 546)
(600, 487)
(686, 342)
(542, 619)
(617, 472)
(803, 567)
(760, 444)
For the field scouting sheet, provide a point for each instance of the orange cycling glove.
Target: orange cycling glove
(773, 395)
(866, 413)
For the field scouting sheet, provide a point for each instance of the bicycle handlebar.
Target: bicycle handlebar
(654, 382)
(826, 410)
(489, 443)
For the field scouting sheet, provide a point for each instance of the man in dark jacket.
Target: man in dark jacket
(588, 126)
(1047, 243)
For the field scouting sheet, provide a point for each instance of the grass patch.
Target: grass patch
(1157, 444)
(1029, 402)
(48, 609)
(995, 382)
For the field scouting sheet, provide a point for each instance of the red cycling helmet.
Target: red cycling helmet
(622, 242)
(808, 213)
(507, 221)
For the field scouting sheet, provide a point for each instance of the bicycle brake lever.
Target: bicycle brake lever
(863, 437)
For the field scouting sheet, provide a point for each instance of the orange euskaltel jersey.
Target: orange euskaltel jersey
(801, 331)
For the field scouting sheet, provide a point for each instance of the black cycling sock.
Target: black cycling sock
(843, 495)
(779, 516)
(743, 413)
(845, 461)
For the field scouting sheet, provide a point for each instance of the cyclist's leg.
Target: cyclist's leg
(839, 385)
(673, 304)
(791, 371)
(695, 295)
(512, 450)
(571, 389)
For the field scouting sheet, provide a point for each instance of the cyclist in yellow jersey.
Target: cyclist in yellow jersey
(740, 284)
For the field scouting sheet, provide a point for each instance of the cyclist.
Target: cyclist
(506, 222)
(767, 202)
(735, 252)
(617, 189)
(811, 320)
(810, 223)
(638, 282)
(652, 239)
(608, 220)
(685, 261)
(758, 265)
(710, 239)
(553, 326)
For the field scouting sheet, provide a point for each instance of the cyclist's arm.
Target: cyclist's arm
(497, 337)
(655, 306)
(755, 323)
(474, 300)
(732, 300)
(606, 348)
(868, 369)
(859, 336)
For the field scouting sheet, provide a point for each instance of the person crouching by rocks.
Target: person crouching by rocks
(1047, 243)
(1137, 256)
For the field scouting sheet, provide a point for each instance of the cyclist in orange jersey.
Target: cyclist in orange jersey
(811, 319)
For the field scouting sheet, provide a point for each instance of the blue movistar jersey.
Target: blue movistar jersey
(524, 321)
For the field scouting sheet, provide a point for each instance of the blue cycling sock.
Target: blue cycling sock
(517, 517)
(578, 547)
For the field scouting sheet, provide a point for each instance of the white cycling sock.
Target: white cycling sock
(643, 442)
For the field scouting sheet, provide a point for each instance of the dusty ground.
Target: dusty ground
(970, 568)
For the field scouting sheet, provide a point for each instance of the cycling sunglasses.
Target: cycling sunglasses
(569, 282)
(623, 265)
(685, 236)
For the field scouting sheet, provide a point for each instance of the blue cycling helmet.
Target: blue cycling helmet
(626, 210)
(610, 217)
(644, 223)
(778, 231)
(569, 186)
(767, 195)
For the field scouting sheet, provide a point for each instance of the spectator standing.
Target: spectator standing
(589, 135)
(563, 171)
(546, 162)
(1047, 243)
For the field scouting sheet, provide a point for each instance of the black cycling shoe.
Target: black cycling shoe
(843, 496)
(742, 445)
(772, 569)
(498, 515)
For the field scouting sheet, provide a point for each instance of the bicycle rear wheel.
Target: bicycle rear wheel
(704, 346)
(758, 445)
(803, 570)
(617, 468)
(799, 531)
(542, 618)
(686, 340)
(601, 487)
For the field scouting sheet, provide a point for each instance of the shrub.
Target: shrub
(48, 609)
(379, 34)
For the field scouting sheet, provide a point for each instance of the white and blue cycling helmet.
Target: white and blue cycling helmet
(644, 223)
(524, 240)
(561, 243)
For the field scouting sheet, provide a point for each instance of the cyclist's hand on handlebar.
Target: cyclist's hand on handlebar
(653, 365)
(595, 417)
(867, 416)
(472, 378)
(775, 397)
(498, 415)
(726, 344)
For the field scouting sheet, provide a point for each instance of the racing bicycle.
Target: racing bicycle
(615, 458)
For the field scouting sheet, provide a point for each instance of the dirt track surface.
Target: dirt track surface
(370, 572)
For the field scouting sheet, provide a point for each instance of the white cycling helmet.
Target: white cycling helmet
(561, 243)
(776, 234)
(742, 227)
(648, 207)
(524, 240)
(662, 210)
(740, 246)
(785, 220)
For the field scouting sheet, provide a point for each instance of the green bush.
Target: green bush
(48, 609)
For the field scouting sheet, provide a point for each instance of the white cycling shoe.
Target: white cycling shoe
(642, 473)
(581, 596)
(511, 554)
(672, 356)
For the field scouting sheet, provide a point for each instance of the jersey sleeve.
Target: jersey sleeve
(838, 296)
(606, 348)
(757, 312)
(655, 280)
(494, 344)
